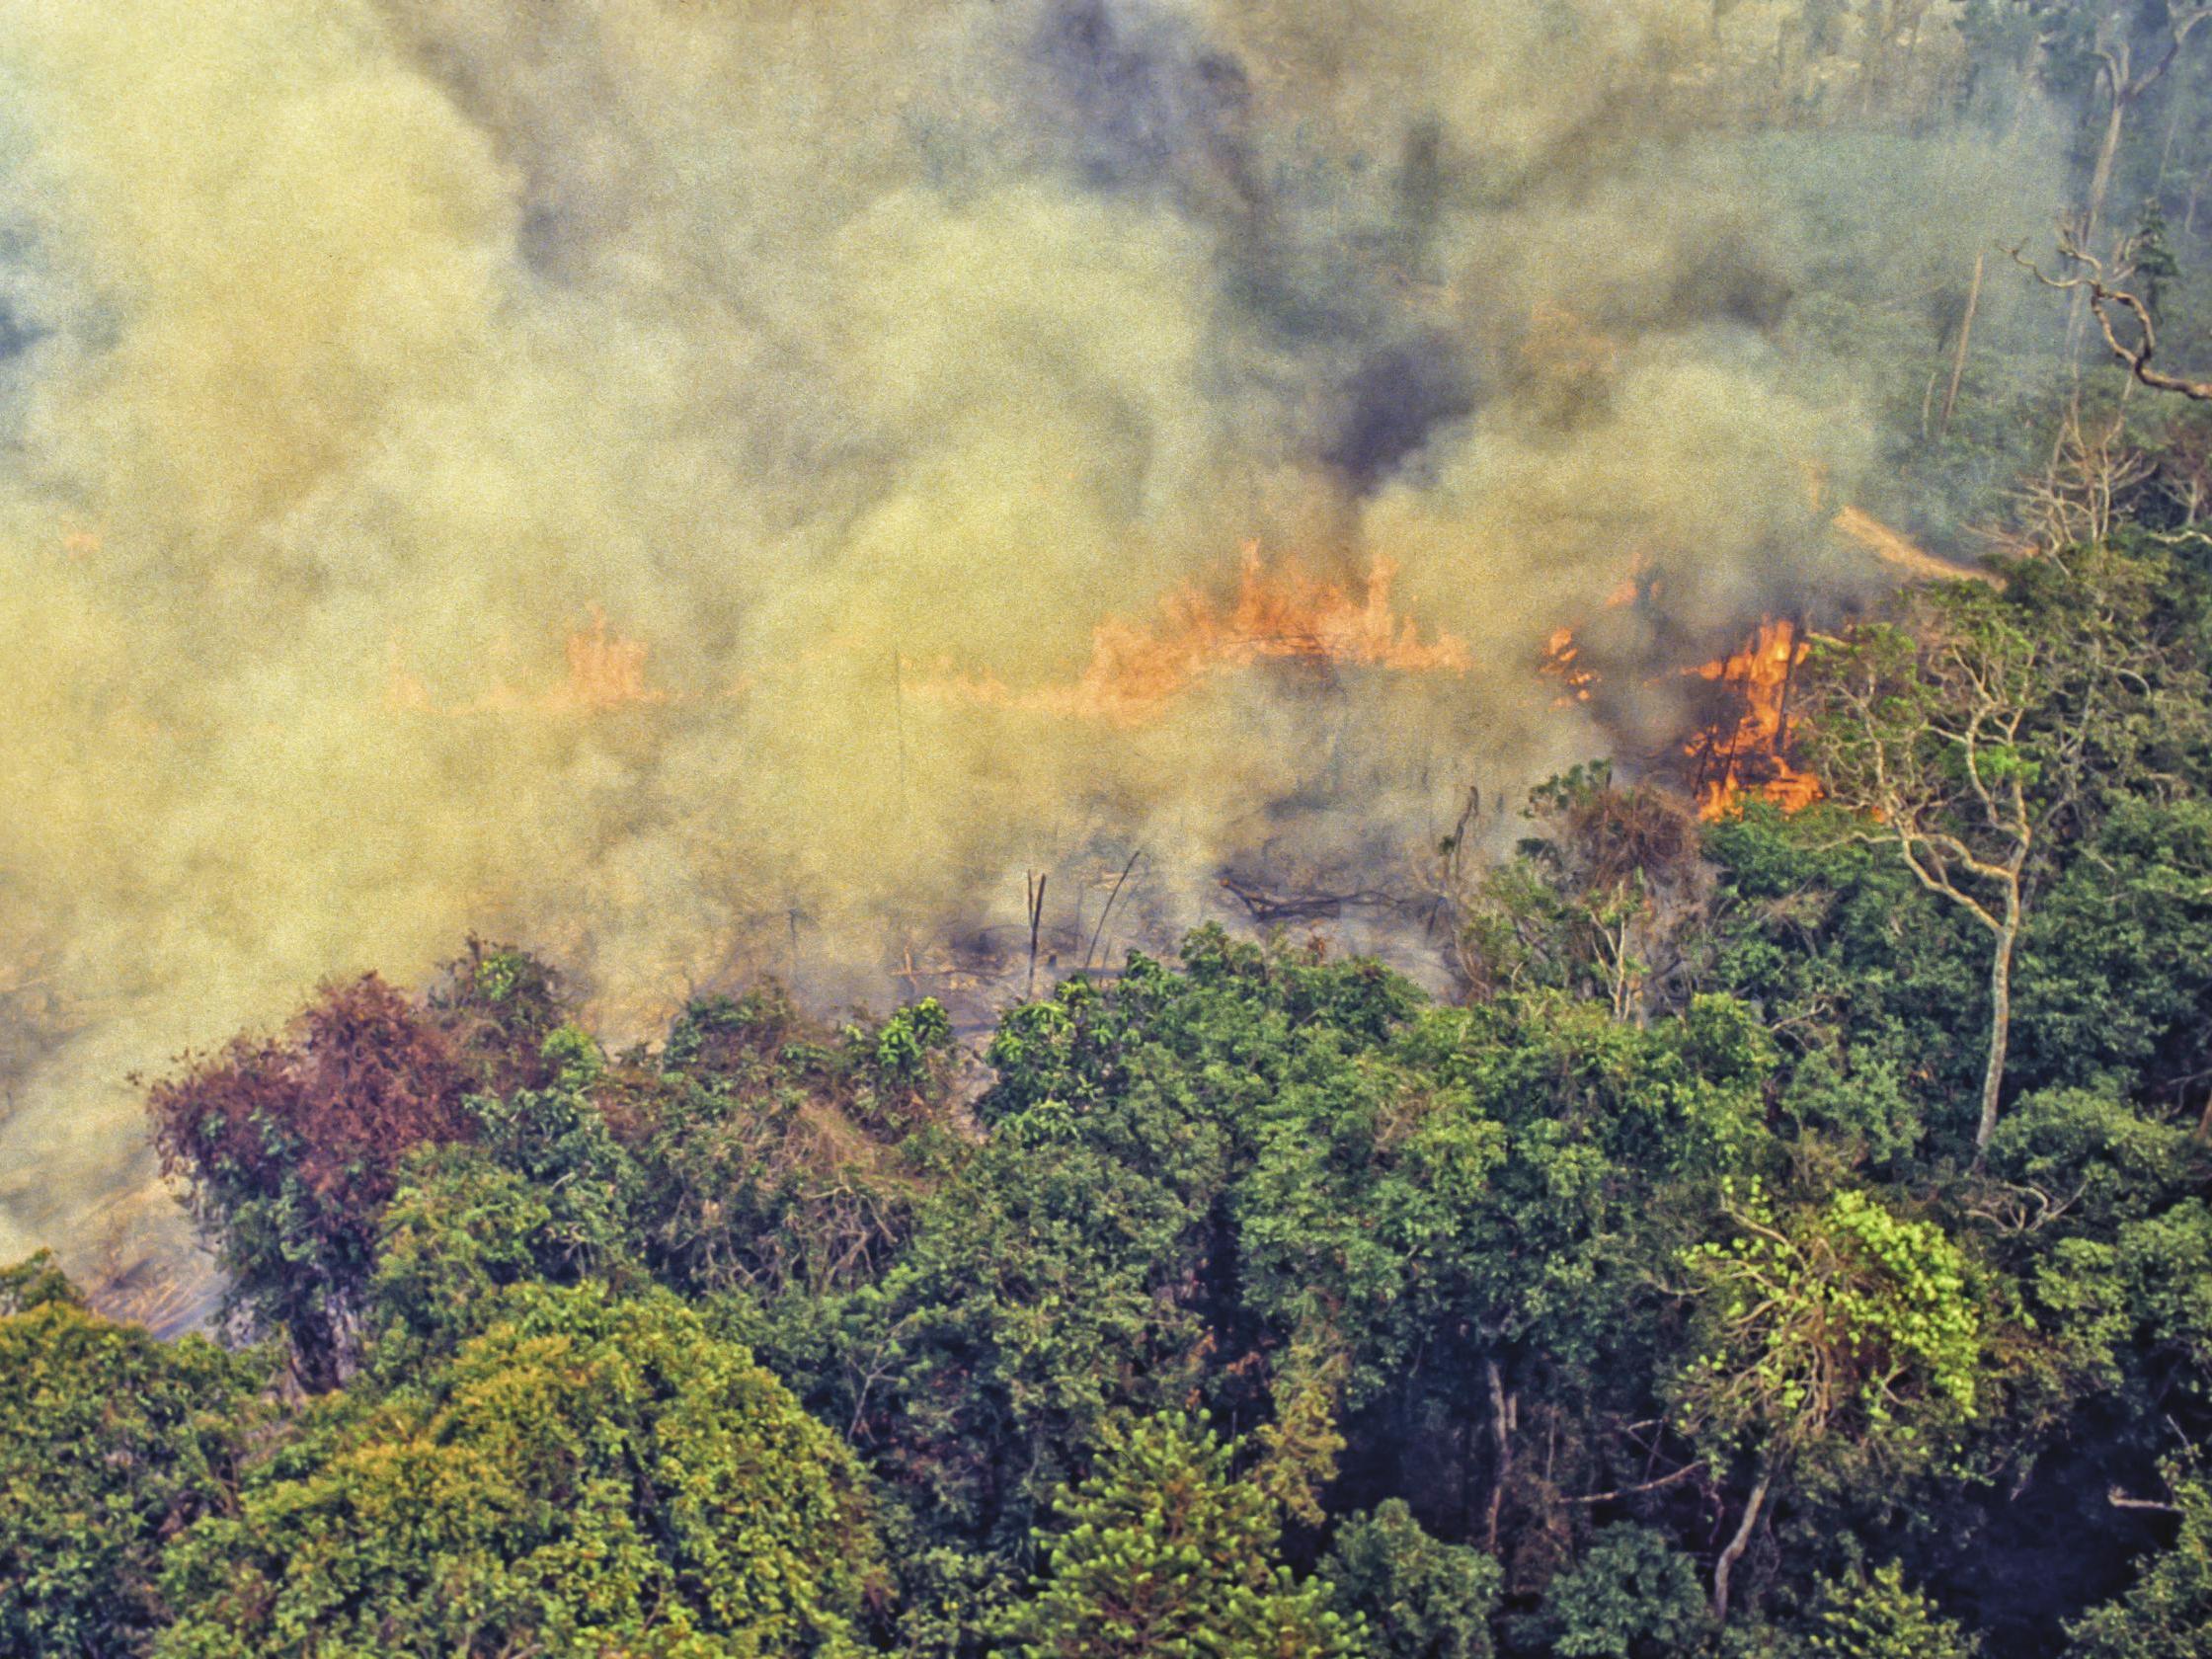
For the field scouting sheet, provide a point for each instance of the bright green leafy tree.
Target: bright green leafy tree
(589, 1475)
(1164, 1554)
(1880, 1615)
(1842, 1332)
(111, 1442)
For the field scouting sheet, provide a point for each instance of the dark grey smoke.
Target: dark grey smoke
(1145, 103)
(1391, 405)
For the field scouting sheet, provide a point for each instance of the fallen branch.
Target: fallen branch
(1682, 1473)
(2120, 1500)
(1266, 907)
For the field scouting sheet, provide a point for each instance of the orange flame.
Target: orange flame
(1748, 758)
(1278, 613)
(604, 672)
(1562, 661)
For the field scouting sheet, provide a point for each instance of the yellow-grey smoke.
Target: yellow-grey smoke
(372, 348)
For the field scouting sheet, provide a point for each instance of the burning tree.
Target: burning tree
(1745, 750)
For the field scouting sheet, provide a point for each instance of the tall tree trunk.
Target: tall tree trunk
(1724, 1568)
(1965, 338)
(2107, 155)
(2000, 1016)
(1501, 1426)
(2115, 77)
(2100, 186)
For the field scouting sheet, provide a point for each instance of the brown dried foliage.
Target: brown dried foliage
(1607, 837)
(291, 1148)
(358, 1080)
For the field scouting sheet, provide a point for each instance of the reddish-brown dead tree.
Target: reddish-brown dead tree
(289, 1149)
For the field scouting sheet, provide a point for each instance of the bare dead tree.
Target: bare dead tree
(1922, 737)
(1965, 342)
(2075, 501)
(1036, 923)
(2125, 82)
(1108, 911)
(2134, 343)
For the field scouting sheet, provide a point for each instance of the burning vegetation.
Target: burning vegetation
(1449, 1156)
(605, 671)
(1278, 612)
(1745, 753)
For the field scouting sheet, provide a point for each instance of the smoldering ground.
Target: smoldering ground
(353, 354)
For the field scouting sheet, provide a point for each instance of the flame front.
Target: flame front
(605, 671)
(1562, 655)
(1279, 613)
(1748, 758)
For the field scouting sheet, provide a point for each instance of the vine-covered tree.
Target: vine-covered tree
(1844, 1334)
(590, 1475)
(113, 1442)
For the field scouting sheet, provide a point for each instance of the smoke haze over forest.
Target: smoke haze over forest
(635, 477)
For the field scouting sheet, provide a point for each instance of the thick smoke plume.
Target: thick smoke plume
(856, 363)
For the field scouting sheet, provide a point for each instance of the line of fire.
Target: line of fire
(1739, 745)
(1269, 624)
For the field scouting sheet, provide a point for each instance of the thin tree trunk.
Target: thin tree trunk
(2166, 151)
(1109, 909)
(899, 723)
(2000, 1018)
(2101, 185)
(1795, 623)
(1724, 1568)
(1036, 923)
(1501, 1427)
(1965, 337)
(2107, 154)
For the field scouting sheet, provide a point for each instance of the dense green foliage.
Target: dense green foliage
(1661, 1296)
(1791, 1237)
(589, 1474)
(1416, 1597)
(112, 1441)
(1654, 1300)
(1163, 1551)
